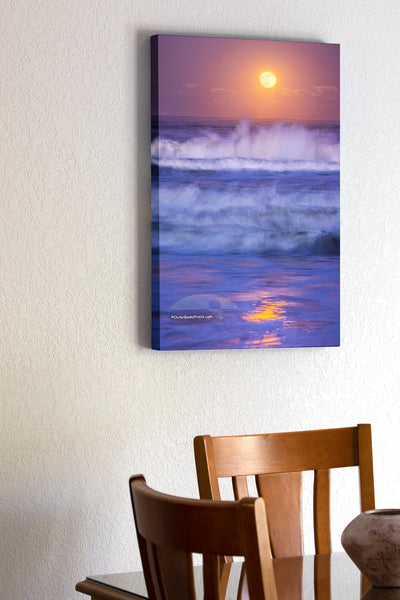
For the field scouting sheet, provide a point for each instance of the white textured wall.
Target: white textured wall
(85, 402)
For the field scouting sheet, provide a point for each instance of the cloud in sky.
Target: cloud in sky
(325, 90)
(222, 91)
(330, 91)
(286, 92)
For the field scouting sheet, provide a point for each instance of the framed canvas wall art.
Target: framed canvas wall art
(245, 193)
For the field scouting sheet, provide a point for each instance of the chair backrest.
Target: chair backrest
(276, 460)
(170, 528)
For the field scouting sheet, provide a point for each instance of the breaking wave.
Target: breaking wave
(277, 147)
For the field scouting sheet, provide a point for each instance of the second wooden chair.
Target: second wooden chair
(276, 460)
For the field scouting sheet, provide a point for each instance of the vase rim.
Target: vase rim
(383, 512)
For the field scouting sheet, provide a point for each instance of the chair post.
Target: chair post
(205, 467)
(367, 494)
(253, 522)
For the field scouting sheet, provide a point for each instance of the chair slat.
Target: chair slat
(154, 574)
(282, 493)
(175, 573)
(240, 487)
(322, 522)
(213, 589)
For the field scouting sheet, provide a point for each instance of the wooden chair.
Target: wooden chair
(276, 460)
(170, 528)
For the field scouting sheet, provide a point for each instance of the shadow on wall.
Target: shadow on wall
(141, 241)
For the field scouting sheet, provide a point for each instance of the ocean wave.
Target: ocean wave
(278, 147)
(191, 219)
(242, 164)
(296, 243)
(268, 206)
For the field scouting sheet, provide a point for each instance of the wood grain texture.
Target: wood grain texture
(277, 460)
(322, 511)
(367, 488)
(170, 528)
(285, 452)
(282, 493)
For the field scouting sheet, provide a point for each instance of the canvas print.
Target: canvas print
(245, 193)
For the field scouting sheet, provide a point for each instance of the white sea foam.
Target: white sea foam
(278, 147)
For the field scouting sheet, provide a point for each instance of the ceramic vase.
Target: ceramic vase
(372, 540)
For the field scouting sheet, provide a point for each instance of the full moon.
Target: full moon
(267, 79)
